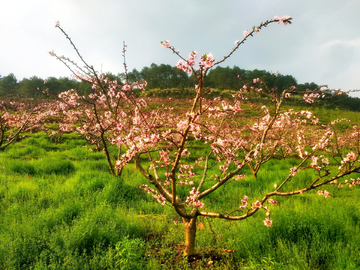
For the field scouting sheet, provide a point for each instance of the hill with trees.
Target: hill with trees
(168, 79)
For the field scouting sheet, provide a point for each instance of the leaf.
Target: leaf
(201, 226)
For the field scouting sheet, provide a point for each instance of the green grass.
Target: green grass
(61, 209)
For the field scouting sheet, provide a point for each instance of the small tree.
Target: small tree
(102, 115)
(19, 115)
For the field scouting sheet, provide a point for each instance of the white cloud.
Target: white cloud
(322, 44)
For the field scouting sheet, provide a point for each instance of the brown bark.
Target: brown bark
(254, 173)
(190, 234)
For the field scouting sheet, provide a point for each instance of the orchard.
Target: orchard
(188, 155)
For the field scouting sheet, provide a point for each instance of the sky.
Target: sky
(322, 45)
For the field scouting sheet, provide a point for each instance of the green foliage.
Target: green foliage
(7, 84)
(129, 253)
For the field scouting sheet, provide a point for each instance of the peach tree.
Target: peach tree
(160, 141)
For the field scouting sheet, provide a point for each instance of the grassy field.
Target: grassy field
(61, 209)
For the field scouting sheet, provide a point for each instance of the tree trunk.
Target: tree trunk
(190, 234)
(255, 175)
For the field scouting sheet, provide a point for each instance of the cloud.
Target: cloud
(322, 44)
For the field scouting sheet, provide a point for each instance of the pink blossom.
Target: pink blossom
(272, 201)
(182, 124)
(351, 155)
(165, 43)
(325, 161)
(207, 60)
(185, 152)
(293, 171)
(244, 202)
(257, 204)
(267, 222)
(221, 142)
(314, 161)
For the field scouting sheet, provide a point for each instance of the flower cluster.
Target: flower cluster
(244, 202)
(165, 44)
(284, 19)
(193, 199)
(239, 176)
(189, 63)
(293, 171)
(350, 183)
(325, 193)
(257, 204)
(268, 222)
(272, 202)
(310, 98)
(350, 157)
(207, 61)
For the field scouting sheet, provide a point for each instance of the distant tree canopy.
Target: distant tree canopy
(8, 84)
(227, 78)
(162, 76)
(167, 77)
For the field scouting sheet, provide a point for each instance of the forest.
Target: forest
(164, 77)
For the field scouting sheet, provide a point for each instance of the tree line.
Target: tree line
(169, 77)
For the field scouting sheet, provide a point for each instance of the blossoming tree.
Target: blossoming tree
(19, 115)
(160, 141)
(102, 116)
(232, 146)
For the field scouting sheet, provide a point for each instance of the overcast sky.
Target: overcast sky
(322, 45)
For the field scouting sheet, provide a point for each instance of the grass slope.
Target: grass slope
(61, 209)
